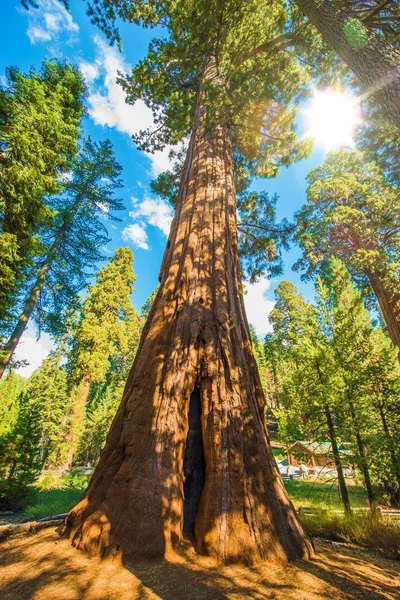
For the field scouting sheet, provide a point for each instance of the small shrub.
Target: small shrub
(15, 495)
(369, 529)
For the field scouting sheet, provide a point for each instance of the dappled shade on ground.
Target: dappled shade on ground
(44, 567)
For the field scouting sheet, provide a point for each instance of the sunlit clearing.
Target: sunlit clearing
(332, 118)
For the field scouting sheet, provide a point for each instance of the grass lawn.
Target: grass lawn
(323, 495)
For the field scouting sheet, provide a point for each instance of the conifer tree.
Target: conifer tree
(106, 336)
(354, 213)
(348, 329)
(314, 387)
(259, 356)
(20, 462)
(72, 242)
(105, 397)
(10, 390)
(222, 77)
(40, 116)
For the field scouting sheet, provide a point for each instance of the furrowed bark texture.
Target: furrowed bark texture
(389, 303)
(377, 65)
(196, 341)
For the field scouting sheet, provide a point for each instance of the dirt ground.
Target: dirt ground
(41, 566)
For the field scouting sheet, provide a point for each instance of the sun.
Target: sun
(332, 118)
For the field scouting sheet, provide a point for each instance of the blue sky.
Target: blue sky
(28, 38)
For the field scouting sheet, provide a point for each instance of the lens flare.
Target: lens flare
(332, 118)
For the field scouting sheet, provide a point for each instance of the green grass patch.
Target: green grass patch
(368, 529)
(54, 502)
(323, 495)
(57, 495)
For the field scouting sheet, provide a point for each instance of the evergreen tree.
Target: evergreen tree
(221, 76)
(74, 240)
(260, 357)
(106, 336)
(105, 396)
(40, 115)
(10, 389)
(382, 390)
(20, 462)
(348, 329)
(314, 386)
(354, 213)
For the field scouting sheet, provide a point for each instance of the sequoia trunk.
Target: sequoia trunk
(389, 303)
(193, 406)
(377, 65)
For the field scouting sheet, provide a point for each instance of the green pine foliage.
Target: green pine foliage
(353, 213)
(40, 117)
(87, 196)
(330, 355)
(109, 326)
(259, 355)
(11, 387)
(36, 438)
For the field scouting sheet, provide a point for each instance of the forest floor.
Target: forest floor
(41, 566)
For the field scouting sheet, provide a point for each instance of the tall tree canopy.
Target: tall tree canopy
(106, 336)
(40, 115)
(71, 241)
(329, 368)
(354, 213)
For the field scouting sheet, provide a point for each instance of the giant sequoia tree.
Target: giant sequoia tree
(188, 449)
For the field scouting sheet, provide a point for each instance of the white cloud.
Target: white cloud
(107, 104)
(258, 306)
(33, 351)
(155, 211)
(136, 233)
(49, 22)
(89, 71)
(37, 34)
(149, 211)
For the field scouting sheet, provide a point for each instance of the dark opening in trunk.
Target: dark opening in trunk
(193, 464)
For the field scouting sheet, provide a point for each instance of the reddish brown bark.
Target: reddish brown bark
(196, 341)
(77, 419)
(389, 303)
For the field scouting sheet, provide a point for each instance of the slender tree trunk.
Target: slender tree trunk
(77, 420)
(336, 456)
(389, 303)
(393, 455)
(30, 304)
(363, 458)
(196, 344)
(377, 65)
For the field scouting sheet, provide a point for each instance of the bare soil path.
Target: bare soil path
(41, 566)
